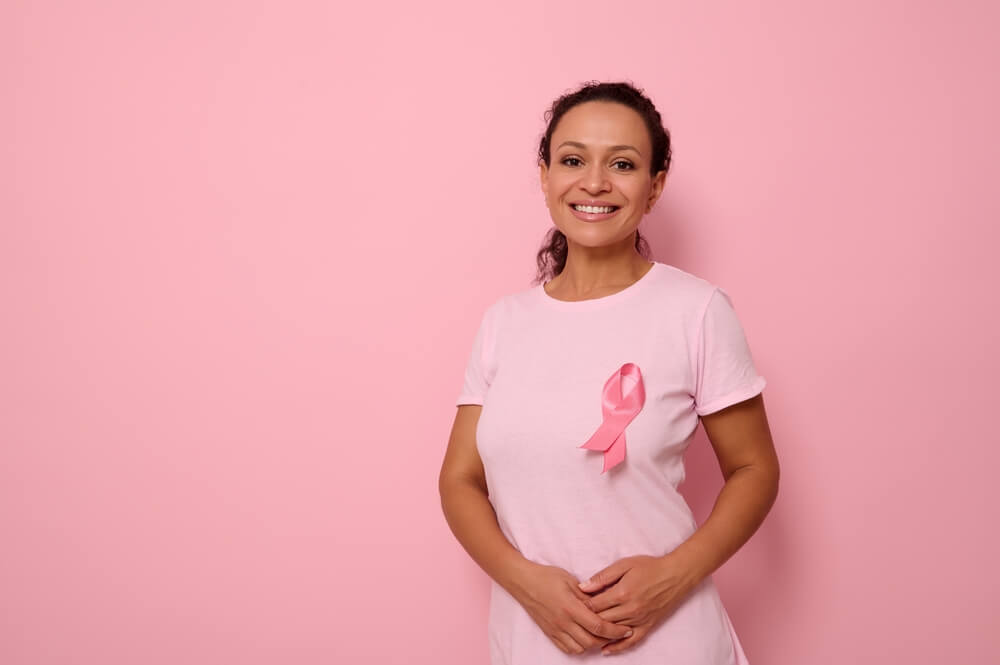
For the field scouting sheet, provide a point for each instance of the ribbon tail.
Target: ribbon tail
(605, 436)
(615, 454)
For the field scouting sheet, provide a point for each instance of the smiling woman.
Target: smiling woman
(581, 395)
(608, 109)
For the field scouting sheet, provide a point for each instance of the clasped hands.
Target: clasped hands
(613, 610)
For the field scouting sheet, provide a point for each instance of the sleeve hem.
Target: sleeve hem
(733, 397)
(469, 399)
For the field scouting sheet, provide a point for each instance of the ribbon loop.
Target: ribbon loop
(618, 410)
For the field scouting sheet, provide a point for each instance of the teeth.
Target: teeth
(594, 209)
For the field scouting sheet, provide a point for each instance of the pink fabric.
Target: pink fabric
(538, 367)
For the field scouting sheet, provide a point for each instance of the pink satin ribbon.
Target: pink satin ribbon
(618, 410)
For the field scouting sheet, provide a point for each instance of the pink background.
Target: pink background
(245, 246)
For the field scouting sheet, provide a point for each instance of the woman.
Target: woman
(579, 398)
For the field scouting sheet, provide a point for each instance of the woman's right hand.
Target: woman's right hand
(551, 597)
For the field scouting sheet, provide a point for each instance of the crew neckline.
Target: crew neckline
(593, 303)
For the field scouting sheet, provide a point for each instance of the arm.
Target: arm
(549, 594)
(742, 441)
(652, 586)
(467, 509)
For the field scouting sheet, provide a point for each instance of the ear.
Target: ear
(659, 180)
(543, 177)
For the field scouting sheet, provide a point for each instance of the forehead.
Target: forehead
(601, 123)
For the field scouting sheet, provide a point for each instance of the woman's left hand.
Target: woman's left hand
(638, 591)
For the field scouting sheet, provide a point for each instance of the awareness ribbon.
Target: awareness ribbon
(618, 410)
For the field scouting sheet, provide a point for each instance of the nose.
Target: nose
(594, 180)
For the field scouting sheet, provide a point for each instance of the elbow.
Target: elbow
(450, 479)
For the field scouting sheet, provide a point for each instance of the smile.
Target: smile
(587, 213)
(594, 209)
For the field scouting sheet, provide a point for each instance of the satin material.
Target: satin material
(618, 410)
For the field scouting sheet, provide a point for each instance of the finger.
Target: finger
(585, 639)
(586, 600)
(606, 576)
(600, 602)
(603, 646)
(618, 615)
(598, 625)
(562, 647)
(622, 645)
(605, 600)
(559, 644)
(582, 596)
(569, 644)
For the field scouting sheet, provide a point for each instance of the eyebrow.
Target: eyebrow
(612, 148)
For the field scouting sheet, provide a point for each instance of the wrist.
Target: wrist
(514, 575)
(692, 566)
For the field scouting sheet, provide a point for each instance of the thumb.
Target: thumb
(603, 577)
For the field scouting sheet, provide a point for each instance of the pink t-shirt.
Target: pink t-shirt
(538, 367)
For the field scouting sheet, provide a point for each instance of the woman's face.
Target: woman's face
(600, 154)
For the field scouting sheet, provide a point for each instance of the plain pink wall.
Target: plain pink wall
(244, 248)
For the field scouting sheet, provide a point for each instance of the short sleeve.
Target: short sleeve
(724, 369)
(480, 366)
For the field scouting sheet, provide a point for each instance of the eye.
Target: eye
(574, 161)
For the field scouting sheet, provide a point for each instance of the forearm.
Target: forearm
(471, 517)
(739, 510)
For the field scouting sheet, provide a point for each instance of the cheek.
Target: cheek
(636, 193)
(633, 188)
(560, 185)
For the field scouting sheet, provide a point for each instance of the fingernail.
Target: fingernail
(628, 633)
(583, 584)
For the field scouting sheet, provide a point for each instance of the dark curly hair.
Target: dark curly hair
(551, 258)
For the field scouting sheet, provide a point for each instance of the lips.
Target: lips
(594, 203)
(594, 216)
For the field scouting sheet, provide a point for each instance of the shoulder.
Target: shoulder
(684, 290)
(682, 279)
(513, 303)
(497, 312)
